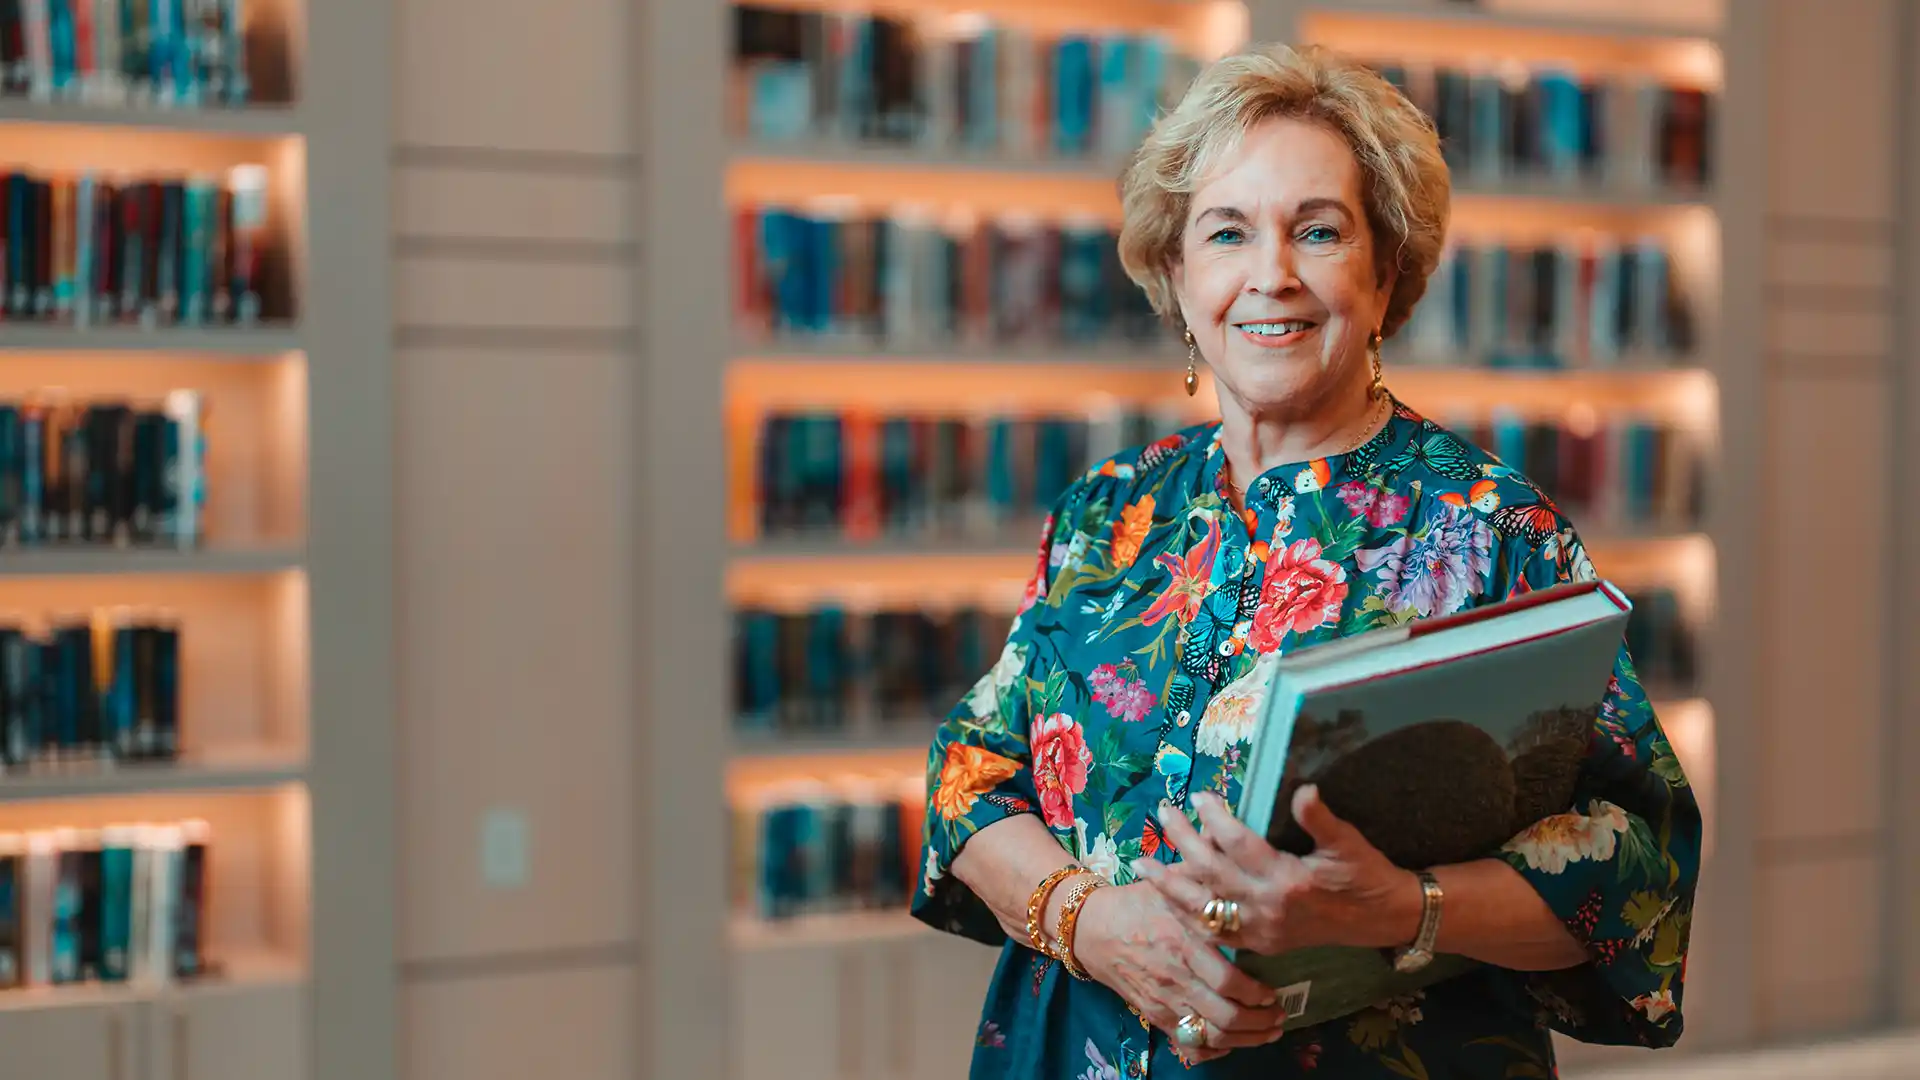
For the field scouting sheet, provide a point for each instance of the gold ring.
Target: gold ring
(1191, 1032)
(1222, 916)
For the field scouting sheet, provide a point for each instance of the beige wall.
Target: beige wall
(1821, 856)
(514, 259)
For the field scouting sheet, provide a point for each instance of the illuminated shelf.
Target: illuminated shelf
(882, 179)
(240, 971)
(823, 931)
(78, 561)
(252, 121)
(1376, 29)
(897, 736)
(1523, 26)
(1127, 354)
(265, 341)
(226, 770)
(779, 549)
(1467, 189)
(855, 154)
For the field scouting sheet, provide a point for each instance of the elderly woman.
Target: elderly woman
(1287, 214)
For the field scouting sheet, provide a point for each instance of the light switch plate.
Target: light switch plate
(503, 847)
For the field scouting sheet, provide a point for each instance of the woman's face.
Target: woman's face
(1277, 277)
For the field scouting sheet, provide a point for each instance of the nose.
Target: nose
(1273, 271)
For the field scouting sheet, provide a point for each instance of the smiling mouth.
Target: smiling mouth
(1276, 330)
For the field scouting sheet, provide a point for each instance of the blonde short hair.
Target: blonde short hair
(1404, 180)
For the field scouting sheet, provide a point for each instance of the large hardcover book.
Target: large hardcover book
(1439, 740)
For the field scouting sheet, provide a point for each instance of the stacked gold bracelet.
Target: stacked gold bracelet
(1037, 906)
(1070, 919)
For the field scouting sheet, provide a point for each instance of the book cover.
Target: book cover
(1439, 741)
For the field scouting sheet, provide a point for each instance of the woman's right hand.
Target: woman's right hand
(1136, 944)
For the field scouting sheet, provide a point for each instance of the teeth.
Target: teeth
(1275, 329)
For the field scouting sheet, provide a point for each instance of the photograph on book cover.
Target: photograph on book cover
(1435, 764)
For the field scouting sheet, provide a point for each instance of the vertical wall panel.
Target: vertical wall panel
(514, 240)
(1828, 475)
(505, 76)
(568, 1025)
(512, 569)
(1833, 106)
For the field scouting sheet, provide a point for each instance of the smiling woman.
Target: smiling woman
(1286, 215)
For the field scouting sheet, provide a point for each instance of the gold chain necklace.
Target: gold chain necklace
(1366, 433)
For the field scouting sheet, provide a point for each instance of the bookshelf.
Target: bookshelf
(276, 596)
(920, 982)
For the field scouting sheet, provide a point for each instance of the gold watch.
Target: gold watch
(1419, 954)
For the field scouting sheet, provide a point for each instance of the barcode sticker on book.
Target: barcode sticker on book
(1293, 999)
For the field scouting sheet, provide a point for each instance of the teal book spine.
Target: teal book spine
(116, 904)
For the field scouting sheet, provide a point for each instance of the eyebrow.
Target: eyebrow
(1318, 202)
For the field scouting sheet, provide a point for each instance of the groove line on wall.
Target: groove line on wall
(1849, 845)
(518, 337)
(1815, 365)
(1829, 230)
(495, 159)
(1851, 299)
(526, 962)
(517, 249)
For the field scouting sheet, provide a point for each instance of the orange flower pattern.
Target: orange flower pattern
(969, 773)
(1131, 531)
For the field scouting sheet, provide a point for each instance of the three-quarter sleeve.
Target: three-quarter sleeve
(1619, 867)
(979, 768)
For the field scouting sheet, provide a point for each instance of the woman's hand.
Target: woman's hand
(1344, 893)
(1131, 941)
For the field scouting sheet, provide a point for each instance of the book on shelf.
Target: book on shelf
(103, 473)
(959, 84)
(168, 53)
(858, 476)
(92, 248)
(125, 904)
(1594, 301)
(841, 669)
(1624, 133)
(88, 688)
(1438, 740)
(1613, 472)
(834, 844)
(913, 278)
(863, 476)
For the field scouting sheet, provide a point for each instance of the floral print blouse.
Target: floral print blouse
(1152, 594)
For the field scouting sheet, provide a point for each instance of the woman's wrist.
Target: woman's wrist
(1392, 918)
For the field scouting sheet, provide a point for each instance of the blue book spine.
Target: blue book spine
(1078, 60)
(160, 45)
(60, 39)
(1000, 478)
(116, 904)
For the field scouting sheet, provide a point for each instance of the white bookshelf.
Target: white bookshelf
(286, 648)
(239, 343)
(248, 121)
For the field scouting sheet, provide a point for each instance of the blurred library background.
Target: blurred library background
(466, 535)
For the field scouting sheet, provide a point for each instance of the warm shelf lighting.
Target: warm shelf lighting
(1472, 40)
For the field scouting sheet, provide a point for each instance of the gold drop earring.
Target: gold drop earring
(1193, 351)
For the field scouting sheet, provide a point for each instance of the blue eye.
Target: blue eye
(1227, 235)
(1320, 234)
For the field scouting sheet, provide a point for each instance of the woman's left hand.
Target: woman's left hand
(1344, 893)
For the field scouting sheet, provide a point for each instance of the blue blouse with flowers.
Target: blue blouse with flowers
(1151, 597)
